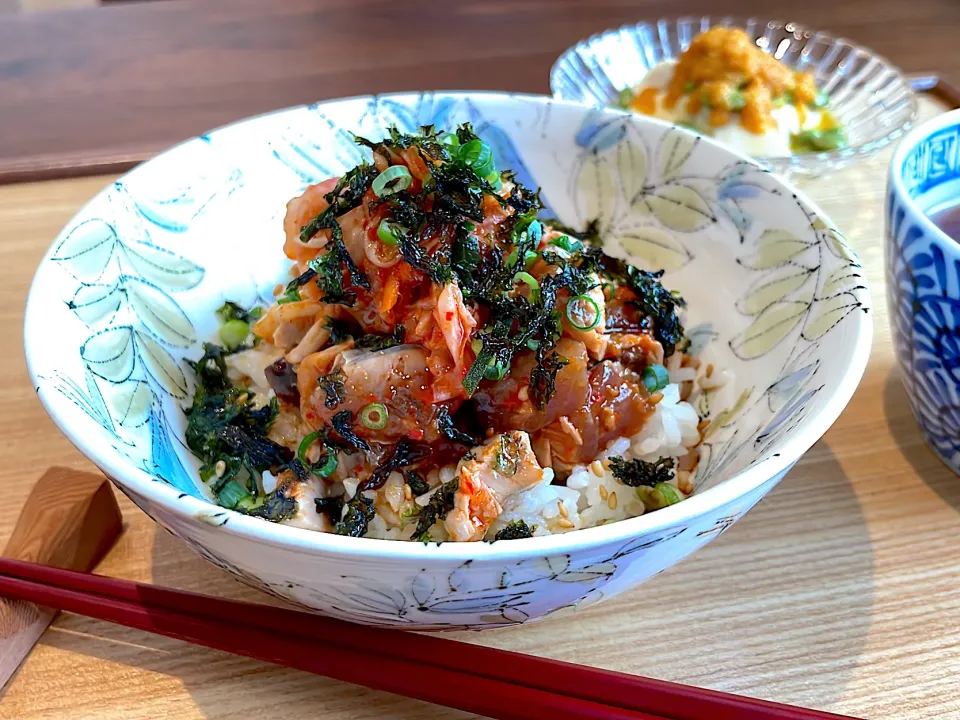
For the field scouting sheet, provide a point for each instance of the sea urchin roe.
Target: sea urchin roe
(725, 71)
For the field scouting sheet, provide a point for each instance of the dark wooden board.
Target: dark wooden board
(98, 89)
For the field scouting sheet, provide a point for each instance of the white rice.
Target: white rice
(590, 499)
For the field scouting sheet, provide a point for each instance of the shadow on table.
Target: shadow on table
(731, 618)
(929, 468)
(221, 685)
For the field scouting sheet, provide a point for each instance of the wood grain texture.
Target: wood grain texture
(102, 88)
(837, 592)
(69, 520)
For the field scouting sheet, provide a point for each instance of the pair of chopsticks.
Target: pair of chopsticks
(482, 680)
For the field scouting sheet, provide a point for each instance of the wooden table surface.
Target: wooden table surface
(105, 87)
(839, 591)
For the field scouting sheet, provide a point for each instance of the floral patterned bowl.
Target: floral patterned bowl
(870, 97)
(128, 292)
(923, 279)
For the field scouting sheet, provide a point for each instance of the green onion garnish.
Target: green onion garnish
(736, 100)
(389, 233)
(291, 295)
(529, 280)
(232, 494)
(819, 140)
(304, 446)
(583, 312)
(374, 416)
(329, 464)
(392, 180)
(655, 377)
(234, 333)
(478, 155)
(495, 370)
(494, 179)
(565, 242)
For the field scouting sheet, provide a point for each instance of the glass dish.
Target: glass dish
(870, 96)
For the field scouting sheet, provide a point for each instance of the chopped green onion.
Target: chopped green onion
(567, 243)
(529, 258)
(329, 461)
(291, 295)
(655, 378)
(232, 494)
(392, 180)
(495, 370)
(689, 87)
(389, 233)
(530, 281)
(234, 333)
(533, 343)
(624, 97)
(659, 496)
(374, 416)
(819, 140)
(668, 494)
(478, 155)
(329, 464)
(736, 101)
(304, 446)
(494, 180)
(583, 312)
(476, 345)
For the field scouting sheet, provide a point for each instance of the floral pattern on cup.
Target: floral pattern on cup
(923, 280)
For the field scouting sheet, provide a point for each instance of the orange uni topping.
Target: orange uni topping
(724, 70)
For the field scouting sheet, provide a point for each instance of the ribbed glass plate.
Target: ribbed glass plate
(869, 96)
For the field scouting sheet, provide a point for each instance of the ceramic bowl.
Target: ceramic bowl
(923, 279)
(871, 97)
(128, 292)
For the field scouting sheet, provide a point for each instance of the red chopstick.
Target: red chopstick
(479, 676)
(471, 693)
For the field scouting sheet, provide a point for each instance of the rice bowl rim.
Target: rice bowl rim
(192, 510)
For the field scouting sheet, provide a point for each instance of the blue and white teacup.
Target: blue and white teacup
(923, 279)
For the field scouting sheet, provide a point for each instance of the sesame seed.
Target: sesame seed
(612, 501)
(596, 468)
(655, 398)
(562, 509)
(564, 523)
(524, 394)
(709, 369)
(605, 464)
(220, 468)
(243, 398)
(407, 492)
(603, 492)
